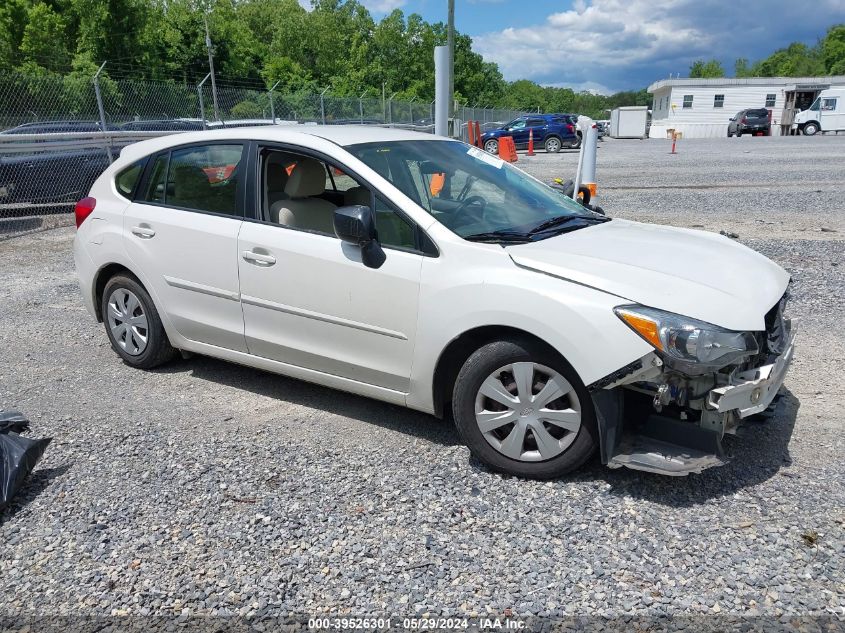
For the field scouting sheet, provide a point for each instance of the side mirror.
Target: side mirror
(356, 225)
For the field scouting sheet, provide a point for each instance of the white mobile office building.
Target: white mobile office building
(700, 108)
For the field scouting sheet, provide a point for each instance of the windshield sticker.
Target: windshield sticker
(488, 158)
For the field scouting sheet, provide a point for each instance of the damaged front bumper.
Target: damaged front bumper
(689, 415)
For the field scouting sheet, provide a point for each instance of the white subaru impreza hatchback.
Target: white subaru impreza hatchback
(424, 272)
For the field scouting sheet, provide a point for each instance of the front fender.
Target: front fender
(577, 321)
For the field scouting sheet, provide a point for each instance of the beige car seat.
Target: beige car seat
(303, 210)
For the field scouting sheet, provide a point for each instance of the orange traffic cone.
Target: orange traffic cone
(531, 142)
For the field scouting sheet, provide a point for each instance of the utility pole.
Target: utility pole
(211, 67)
(450, 43)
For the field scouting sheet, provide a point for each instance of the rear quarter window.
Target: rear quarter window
(127, 180)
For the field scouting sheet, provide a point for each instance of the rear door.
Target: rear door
(181, 233)
(538, 127)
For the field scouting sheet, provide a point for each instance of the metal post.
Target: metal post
(361, 105)
(411, 108)
(450, 43)
(100, 107)
(211, 68)
(272, 106)
(202, 101)
(322, 105)
(390, 107)
(441, 90)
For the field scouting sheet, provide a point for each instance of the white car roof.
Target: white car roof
(291, 133)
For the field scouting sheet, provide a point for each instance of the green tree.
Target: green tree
(701, 69)
(833, 50)
(43, 40)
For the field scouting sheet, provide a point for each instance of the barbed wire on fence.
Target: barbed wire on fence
(41, 176)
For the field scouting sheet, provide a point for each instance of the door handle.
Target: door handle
(259, 258)
(144, 232)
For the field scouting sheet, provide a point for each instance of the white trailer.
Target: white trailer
(629, 122)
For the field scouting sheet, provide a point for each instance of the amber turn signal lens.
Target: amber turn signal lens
(642, 326)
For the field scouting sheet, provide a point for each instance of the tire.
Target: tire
(142, 347)
(738, 132)
(552, 145)
(576, 144)
(730, 134)
(811, 128)
(491, 146)
(501, 362)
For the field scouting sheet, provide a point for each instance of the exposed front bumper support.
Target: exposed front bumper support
(752, 391)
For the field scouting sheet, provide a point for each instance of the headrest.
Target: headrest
(357, 195)
(307, 179)
(277, 176)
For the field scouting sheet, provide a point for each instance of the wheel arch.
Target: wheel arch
(455, 354)
(102, 277)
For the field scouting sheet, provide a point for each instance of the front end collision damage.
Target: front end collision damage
(655, 418)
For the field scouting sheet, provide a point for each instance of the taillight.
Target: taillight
(570, 127)
(83, 209)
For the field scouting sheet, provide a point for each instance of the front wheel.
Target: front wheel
(523, 410)
(133, 325)
(491, 146)
(811, 129)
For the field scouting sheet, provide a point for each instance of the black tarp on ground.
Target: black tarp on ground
(18, 454)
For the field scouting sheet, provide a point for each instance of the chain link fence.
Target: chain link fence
(58, 133)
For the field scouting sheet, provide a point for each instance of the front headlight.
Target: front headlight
(687, 340)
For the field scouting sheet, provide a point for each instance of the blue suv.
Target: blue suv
(551, 131)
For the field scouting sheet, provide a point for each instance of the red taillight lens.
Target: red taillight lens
(83, 209)
(570, 127)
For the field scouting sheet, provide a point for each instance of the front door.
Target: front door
(307, 298)
(182, 230)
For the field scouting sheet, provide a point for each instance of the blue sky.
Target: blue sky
(611, 45)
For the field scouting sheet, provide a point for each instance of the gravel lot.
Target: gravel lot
(209, 488)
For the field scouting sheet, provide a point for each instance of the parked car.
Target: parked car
(54, 127)
(826, 114)
(53, 176)
(552, 132)
(424, 272)
(752, 121)
(162, 125)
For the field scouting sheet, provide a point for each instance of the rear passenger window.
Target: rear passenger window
(127, 180)
(203, 178)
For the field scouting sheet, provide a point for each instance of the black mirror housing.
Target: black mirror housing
(355, 224)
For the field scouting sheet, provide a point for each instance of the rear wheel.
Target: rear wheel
(552, 145)
(491, 146)
(811, 128)
(522, 410)
(133, 325)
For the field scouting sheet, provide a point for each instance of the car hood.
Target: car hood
(693, 273)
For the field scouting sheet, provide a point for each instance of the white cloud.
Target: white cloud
(383, 6)
(624, 44)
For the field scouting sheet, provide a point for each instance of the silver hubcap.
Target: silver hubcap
(552, 145)
(127, 321)
(492, 147)
(528, 412)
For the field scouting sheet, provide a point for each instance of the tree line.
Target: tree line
(337, 44)
(827, 57)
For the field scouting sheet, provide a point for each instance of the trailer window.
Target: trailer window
(719, 101)
(687, 101)
(770, 100)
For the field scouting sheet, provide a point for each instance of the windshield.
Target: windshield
(468, 190)
(815, 105)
